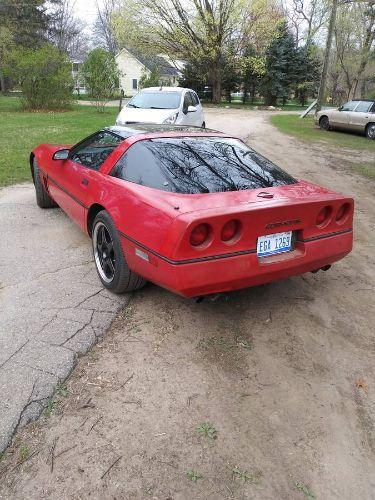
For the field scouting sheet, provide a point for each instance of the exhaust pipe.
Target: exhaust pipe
(324, 268)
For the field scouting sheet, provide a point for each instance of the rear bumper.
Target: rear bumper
(241, 271)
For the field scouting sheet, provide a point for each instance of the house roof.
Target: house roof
(162, 64)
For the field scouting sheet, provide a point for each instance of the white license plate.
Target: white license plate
(271, 244)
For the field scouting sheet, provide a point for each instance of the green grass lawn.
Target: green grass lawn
(305, 130)
(238, 104)
(21, 131)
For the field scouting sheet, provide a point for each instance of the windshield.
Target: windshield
(198, 165)
(156, 100)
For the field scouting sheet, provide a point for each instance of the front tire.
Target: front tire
(324, 123)
(370, 131)
(109, 258)
(43, 199)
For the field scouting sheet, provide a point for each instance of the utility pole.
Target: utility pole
(323, 78)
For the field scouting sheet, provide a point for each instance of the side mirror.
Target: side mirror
(62, 154)
(191, 109)
(341, 108)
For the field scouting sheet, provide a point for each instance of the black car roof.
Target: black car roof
(150, 128)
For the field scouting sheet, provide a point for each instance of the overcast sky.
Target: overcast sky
(86, 10)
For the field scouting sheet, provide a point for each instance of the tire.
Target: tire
(43, 199)
(324, 123)
(109, 258)
(370, 131)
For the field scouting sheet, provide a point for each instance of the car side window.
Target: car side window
(363, 107)
(349, 106)
(93, 151)
(138, 165)
(187, 101)
(194, 99)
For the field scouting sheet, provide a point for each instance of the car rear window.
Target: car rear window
(198, 165)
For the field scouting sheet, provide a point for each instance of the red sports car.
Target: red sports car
(192, 210)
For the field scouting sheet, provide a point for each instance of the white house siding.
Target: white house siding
(131, 69)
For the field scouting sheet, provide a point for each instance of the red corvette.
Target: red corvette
(192, 210)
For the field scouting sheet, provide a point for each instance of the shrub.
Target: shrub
(101, 77)
(44, 76)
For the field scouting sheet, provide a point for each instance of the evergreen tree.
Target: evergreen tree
(27, 21)
(308, 69)
(281, 66)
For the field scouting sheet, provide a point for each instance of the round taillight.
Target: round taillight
(230, 230)
(323, 216)
(199, 235)
(342, 213)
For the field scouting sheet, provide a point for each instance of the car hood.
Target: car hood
(134, 115)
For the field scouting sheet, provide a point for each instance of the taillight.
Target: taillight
(323, 216)
(230, 230)
(200, 235)
(342, 213)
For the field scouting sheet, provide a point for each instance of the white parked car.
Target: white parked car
(168, 105)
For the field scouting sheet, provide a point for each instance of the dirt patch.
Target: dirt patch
(265, 393)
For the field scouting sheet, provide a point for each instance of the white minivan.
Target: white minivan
(168, 105)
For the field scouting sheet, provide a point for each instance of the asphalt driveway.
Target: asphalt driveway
(52, 305)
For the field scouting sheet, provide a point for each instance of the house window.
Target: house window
(135, 84)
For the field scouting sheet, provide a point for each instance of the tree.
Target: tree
(323, 78)
(307, 18)
(231, 73)
(252, 71)
(281, 66)
(101, 77)
(308, 72)
(44, 76)
(103, 27)
(64, 28)
(354, 40)
(27, 21)
(6, 46)
(151, 80)
(193, 30)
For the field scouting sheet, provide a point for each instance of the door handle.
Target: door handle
(85, 182)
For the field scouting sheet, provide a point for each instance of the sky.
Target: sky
(86, 10)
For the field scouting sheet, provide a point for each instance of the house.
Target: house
(133, 66)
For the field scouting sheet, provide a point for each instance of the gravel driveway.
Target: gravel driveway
(284, 373)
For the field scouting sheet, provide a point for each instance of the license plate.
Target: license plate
(271, 244)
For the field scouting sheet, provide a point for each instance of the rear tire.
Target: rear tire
(109, 258)
(43, 199)
(324, 123)
(370, 131)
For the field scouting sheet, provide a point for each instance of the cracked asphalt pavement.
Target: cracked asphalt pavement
(53, 307)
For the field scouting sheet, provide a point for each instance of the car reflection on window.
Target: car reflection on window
(198, 165)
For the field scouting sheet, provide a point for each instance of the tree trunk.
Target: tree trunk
(2, 83)
(271, 100)
(216, 82)
(253, 86)
(323, 79)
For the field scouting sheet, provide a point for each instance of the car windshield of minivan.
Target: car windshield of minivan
(156, 100)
